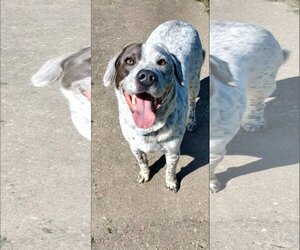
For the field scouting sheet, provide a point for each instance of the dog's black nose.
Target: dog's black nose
(146, 77)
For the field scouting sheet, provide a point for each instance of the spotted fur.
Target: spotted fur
(244, 60)
(177, 43)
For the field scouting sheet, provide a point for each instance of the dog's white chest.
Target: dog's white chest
(165, 139)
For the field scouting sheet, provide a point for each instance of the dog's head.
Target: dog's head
(145, 75)
(73, 71)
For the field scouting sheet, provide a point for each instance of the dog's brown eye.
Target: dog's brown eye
(162, 62)
(129, 61)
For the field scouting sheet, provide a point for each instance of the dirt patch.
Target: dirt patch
(206, 4)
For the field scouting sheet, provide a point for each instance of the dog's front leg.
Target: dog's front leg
(171, 180)
(214, 183)
(141, 158)
(216, 155)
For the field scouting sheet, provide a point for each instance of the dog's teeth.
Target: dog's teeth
(133, 99)
(155, 101)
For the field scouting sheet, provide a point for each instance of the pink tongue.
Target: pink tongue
(143, 115)
(88, 94)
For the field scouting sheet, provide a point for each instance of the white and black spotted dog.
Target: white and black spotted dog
(156, 84)
(244, 60)
(74, 72)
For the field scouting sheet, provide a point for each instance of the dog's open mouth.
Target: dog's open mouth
(143, 107)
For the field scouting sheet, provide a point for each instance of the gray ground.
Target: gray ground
(259, 207)
(126, 215)
(45, 163)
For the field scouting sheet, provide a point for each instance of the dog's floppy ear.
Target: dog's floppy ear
(178, 70)
(110, 73)
(220, 70)
(50, 72)
(53, 69)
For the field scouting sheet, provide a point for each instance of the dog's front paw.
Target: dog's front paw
(215, 186)
(172, 185)
(191, 126)
(254, 126)
(143, 176)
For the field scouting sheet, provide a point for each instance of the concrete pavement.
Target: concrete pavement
(259, 207)
(45, 163)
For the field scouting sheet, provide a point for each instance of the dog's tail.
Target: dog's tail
(286, 54)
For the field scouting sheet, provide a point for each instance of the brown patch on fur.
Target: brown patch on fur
(132, 51)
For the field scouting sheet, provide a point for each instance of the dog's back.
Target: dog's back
(173, 35)
(253, 56)
(250, 50)
(183, 40)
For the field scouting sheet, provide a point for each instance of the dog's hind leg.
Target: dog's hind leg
(253, 119)
(141, 157)
(262, 84)
(214, 183)
(194, 89)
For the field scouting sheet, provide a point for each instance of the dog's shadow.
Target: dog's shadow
(277, 145)
(195, 144)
